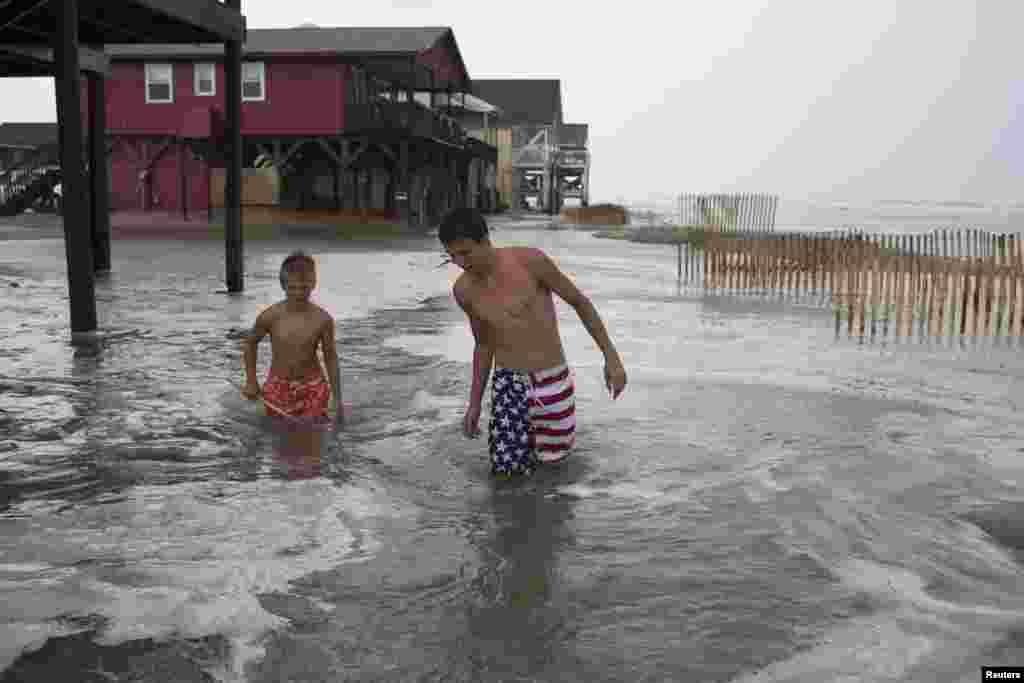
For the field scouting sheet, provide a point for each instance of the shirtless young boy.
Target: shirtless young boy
(506, 294)
(295, 383)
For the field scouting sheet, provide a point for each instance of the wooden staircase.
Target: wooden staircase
(29, 184)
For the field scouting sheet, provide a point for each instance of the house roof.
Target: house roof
(303, 39)
(29, 22)
(573, 135)
(530, 100)
(28, 135)
(364, 43)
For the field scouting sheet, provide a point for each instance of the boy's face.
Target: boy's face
(299, 284)
(467, 253)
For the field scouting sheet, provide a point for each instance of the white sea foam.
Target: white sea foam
(185, 561)
(912, 632)
(860, 651)
(647, 496)
(895, 585)
(423, 401)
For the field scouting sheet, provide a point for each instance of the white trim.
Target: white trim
(197, 68)
(153, 65)
(262, 71)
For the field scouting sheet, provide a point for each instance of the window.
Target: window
(254, 86)
(159, 83)
(205, 79)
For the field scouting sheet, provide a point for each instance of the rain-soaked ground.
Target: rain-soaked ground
(765, 502)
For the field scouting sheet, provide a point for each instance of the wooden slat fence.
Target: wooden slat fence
(962, 282)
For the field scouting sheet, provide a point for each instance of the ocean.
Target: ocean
(767, 501)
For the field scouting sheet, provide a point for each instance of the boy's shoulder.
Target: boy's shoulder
(523, 254)
(530, 258)
(322, 312)
(272, 311)
(461, 286)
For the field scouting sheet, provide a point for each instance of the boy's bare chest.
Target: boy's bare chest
(296, 329)
(510, 299)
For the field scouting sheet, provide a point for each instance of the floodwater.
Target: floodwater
(765, 502)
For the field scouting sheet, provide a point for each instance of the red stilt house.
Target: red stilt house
(331, 117)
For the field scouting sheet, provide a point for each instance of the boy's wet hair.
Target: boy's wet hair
(462, 223)
(296, 262)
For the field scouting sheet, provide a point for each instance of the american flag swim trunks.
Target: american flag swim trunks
(533, 418)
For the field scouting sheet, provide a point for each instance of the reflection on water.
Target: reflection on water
(767, 501)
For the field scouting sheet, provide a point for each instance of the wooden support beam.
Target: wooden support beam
(276, 154)
(159, 155)
(130, 144)
(77, 239)
(89, 60)
(335, 177)
(387, 151)
(279, 159)
(335, 157)
(404, 209)
(99, 186)
(354, 156)
(233, 255)
(182, 182)
(221, 19)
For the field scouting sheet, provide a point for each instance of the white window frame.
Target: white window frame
(150, 66)
(197, 71)
(262, 71)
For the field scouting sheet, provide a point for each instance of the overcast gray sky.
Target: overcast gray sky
(907, 99)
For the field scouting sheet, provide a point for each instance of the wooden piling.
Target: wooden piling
(233, 256)
(99, 184)
(78, 243)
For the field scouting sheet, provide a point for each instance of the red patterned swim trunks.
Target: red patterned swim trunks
(307, 397)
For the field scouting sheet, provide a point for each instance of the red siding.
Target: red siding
(123, 174)
(302, 97)
(443, 62)
(164, 181)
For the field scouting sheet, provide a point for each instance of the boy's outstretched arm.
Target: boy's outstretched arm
(327, 343)
(554, 279)
(250, 346)
(483, 361)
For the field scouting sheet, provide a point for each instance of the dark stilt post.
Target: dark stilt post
(444, 177)
(207, 163)
(462, 181)
(405, 186)
(394, 182)
(336, 178)
(182, 180)
(233, 160)
(77, 241)
(98, 177)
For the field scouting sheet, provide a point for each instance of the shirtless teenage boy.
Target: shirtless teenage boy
(506, 294)
(295, 383)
